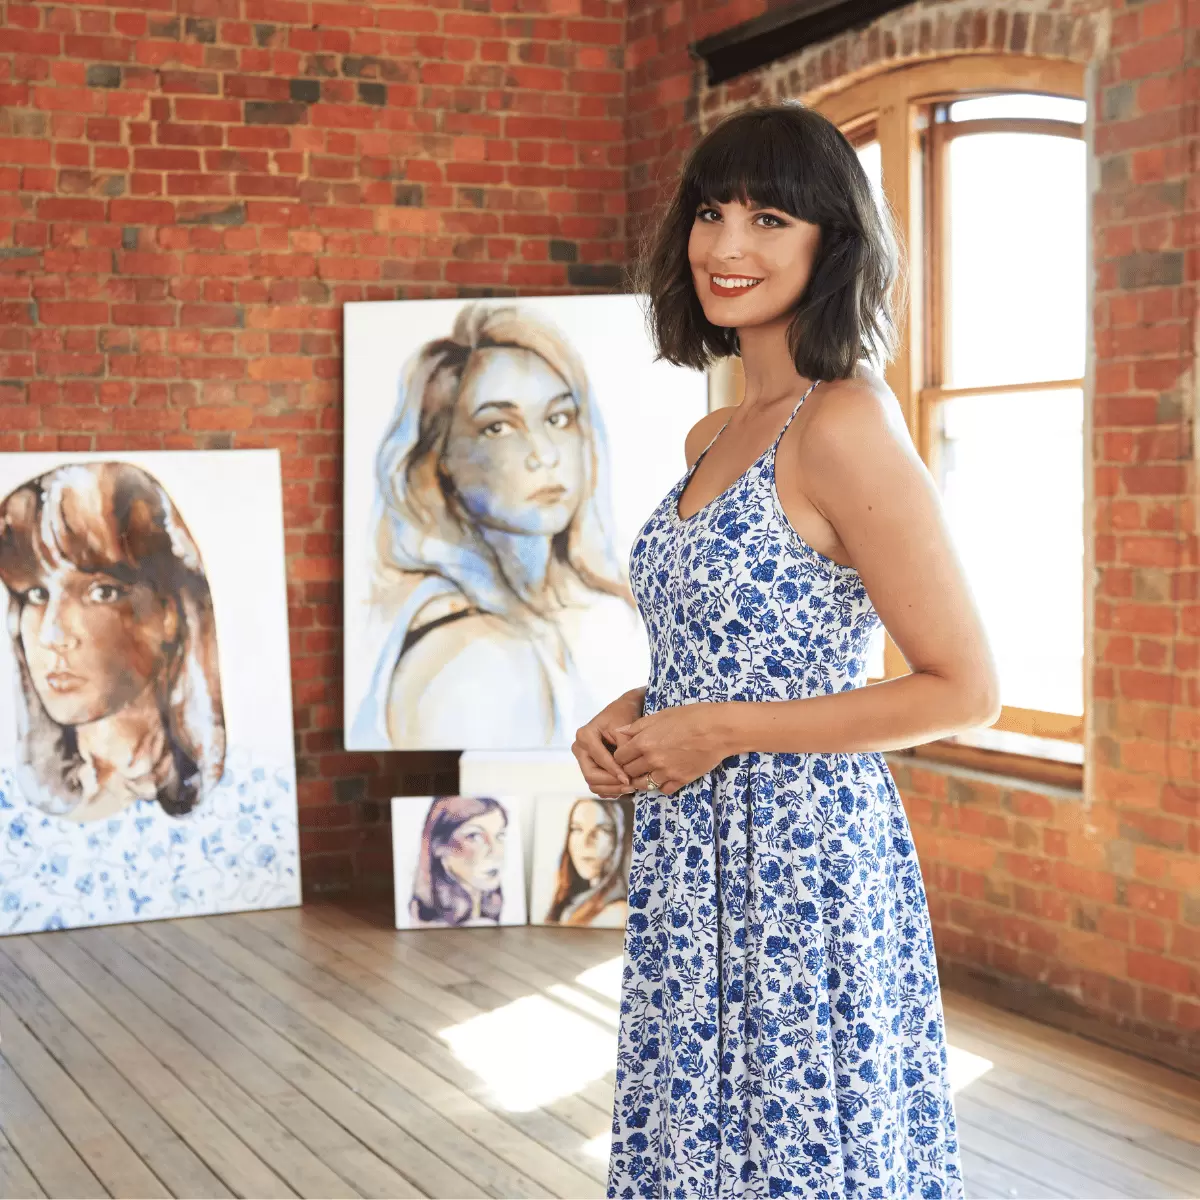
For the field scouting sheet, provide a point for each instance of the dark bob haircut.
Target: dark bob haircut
(788, 157)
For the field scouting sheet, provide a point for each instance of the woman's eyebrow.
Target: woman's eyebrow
(507, 405)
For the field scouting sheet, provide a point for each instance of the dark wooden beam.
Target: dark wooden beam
(784, 31)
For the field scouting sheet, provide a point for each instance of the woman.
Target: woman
(781, 1026)
(114, 642)
(494, 544)
(593, 872)
(461, 863)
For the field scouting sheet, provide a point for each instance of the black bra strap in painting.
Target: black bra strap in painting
(415, 635)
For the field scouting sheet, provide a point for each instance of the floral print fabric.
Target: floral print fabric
(781, 1028)
(237, 850)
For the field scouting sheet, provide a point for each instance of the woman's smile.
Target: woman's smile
(732, 285)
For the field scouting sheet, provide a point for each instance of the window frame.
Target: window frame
(893, 107)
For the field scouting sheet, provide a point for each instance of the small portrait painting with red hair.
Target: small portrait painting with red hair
(581, 851)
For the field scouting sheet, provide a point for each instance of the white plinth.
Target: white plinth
(520, 773)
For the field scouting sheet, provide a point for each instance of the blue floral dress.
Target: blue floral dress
(781, 1028)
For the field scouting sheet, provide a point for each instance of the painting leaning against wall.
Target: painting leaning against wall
(459, 861)
(582, 848)
(146, 765)
(500, 457)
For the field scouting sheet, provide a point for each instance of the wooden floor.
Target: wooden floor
(317, 1052)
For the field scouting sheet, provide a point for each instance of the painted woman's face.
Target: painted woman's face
(93, 644)
(591, 839)
(474, 852)
(749, 264)
(515, 452)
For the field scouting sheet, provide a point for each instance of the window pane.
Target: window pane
(1020, 104)
(1016, 309)
(1011, 473)
(871, 158)
(875, 668)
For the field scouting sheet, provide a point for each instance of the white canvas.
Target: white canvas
(459, 861)
(581, 852)
(493, 676)
(104, 851)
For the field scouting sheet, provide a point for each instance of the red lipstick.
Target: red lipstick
(738, 289)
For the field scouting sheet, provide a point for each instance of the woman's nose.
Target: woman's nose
(729, 241)
(542, 452)
(58, 625)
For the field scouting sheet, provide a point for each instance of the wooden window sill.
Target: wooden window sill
(998, 763)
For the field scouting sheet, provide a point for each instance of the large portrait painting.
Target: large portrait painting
(459, 861)
(581, 851)
(501, 456)
(146, 763)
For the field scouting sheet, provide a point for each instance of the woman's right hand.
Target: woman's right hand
(595, 742)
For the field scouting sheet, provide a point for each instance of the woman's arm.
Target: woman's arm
(857, 465)
(860, 469)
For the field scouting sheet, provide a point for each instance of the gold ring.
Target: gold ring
(653, 781)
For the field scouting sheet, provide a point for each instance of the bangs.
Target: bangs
(756, 163)
(94, 517)
(794, 160)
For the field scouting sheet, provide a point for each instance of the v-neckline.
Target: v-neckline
(682, 486)
(682, 520)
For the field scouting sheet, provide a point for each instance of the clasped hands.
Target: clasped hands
(620, 751)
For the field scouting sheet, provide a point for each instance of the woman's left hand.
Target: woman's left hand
(675, 745)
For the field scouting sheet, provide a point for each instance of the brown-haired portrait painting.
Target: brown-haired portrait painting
(114, 639)
(591, 882)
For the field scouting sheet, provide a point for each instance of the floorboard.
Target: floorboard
(319, 1052)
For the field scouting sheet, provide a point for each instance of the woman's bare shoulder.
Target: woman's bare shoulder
(703, 432)
(455, 687)
(845, 404)
(478, 643)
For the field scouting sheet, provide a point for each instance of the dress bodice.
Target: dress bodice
(738, 606)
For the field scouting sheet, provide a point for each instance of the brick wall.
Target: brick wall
(186, 202)
(187, 198)
(1083, 909)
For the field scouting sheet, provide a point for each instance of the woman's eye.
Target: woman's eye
(495, 429)
(776, 223)
(705, 213)
(37, 595)
(104, 593)
(560, 420)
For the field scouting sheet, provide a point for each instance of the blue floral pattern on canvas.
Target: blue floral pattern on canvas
(237, 850)
(781, 1027)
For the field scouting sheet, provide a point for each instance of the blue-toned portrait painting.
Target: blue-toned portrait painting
(500, 457)
(146, 764)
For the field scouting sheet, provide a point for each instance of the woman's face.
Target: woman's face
(474, 852)
(591, 839)
(93, 644)
(515, 452)
(749, 264)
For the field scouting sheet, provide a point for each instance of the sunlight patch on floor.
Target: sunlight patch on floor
(965, 1067)
(604, 978)
(598, 1147)
(586, 1002)
(532, 1051)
